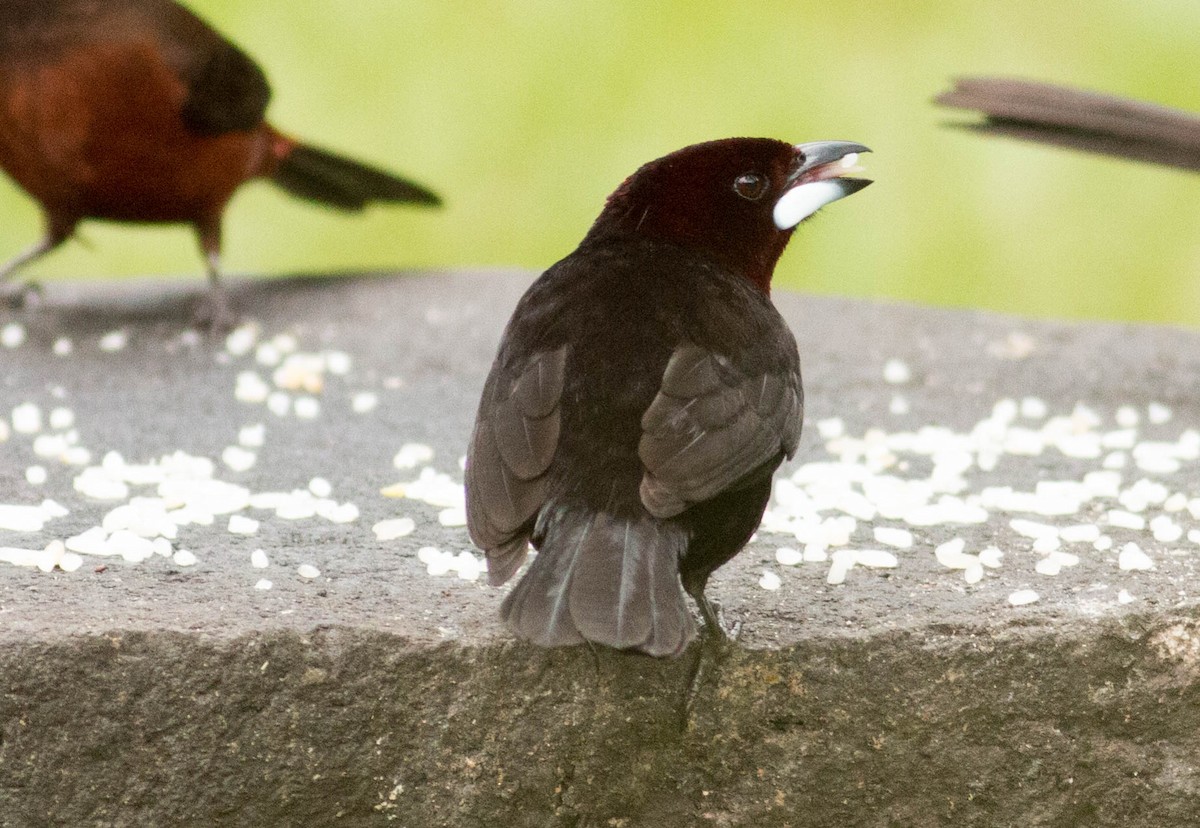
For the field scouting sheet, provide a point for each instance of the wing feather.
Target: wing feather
(513, 444)
(711, 425)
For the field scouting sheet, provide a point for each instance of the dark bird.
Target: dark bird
(138, 111)
(1079, 119)
(645, 391)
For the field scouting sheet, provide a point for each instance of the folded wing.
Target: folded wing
(712, 426)
(515, 438)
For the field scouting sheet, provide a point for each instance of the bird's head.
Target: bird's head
(737, 199)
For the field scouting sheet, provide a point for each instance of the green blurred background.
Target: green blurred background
(525, 114)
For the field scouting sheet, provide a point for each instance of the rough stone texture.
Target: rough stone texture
(153, 694)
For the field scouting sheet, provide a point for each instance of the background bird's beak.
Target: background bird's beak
(819, 180)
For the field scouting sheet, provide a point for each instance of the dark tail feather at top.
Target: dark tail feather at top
(604, 579)
(1078, 119)
(318, 175)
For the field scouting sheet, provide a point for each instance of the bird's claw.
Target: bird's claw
(215, 315)
(714, 623)
(716, 644)
(22, 296)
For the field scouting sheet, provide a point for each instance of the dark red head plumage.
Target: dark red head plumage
(721, 197)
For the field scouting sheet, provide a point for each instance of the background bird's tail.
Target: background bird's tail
(319, 175)
(1082, 120)
(609, 580)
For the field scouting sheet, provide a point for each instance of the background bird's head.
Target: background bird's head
(737, 199)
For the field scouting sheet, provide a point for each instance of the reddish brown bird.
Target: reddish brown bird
(138, 111)
(645, 391)
(1079, 119)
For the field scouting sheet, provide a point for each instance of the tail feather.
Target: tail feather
(609, 580)
(318, 175)
(504, 561)
(1079, 119)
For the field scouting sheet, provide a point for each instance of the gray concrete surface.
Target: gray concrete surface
(155, 693)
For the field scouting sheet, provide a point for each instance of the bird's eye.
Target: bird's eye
(750, 186)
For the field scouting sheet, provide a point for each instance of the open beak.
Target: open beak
(819, 179)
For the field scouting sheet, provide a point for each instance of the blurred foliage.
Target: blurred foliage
(525, 114)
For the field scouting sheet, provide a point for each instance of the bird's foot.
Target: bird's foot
(717, 643)
(22, 296)
(215, 314)
(734, 631)
(715, 627)
(715, 647)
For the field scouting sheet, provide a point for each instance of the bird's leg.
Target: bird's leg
(25, 257)
(709, 610)
(57, 232)
(714, 642)
(214, 312)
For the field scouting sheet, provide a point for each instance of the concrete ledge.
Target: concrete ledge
(155, 693)
(345, 726)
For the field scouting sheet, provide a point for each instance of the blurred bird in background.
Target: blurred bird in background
(138, 111)
(1079, 119)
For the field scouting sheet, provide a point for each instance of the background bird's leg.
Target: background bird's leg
(26, 256)
(215, 311)
(57, 231)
